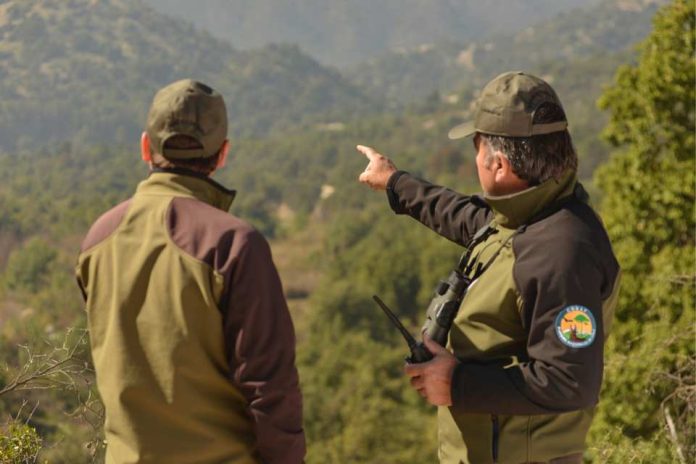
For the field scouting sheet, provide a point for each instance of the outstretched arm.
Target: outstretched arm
(455, 216)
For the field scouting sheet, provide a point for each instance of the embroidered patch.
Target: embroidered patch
(576, 327)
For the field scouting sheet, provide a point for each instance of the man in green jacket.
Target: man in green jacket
(192, 342)
(521, 374)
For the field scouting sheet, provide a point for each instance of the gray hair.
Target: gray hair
(538, 158)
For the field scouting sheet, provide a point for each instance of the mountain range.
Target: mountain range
(596, 32)
(343, 33)
(86, 70)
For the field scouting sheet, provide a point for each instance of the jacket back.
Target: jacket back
(157, 273)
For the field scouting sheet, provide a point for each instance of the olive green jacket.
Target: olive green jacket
(192, 342)
(530, 331)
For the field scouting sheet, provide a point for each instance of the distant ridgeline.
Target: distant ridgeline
(577, 51)
(590, 34)
(86, 70)
(344, 33)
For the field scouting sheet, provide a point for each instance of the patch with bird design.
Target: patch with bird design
(576, 327)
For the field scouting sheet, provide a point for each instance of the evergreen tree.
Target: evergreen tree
(647, 409)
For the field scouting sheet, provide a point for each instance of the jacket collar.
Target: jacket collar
(184, 183)
(516, 209)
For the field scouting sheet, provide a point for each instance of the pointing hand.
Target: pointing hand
(378, 170)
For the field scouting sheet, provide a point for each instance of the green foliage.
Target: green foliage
(649, 213)
(56, 195)
(97, 70)
(28, 268)
(51, 371)
(63, 191)
(19, 444)
(359, 405)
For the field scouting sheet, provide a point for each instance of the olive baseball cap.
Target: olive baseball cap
(188, 108)
(507, 105)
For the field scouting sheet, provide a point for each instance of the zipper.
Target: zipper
(496, 436)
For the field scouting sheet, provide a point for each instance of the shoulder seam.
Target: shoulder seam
(108, 237)
(176, 245)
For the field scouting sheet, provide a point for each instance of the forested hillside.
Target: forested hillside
(86, 70)
(592, 33)
(90, 68)
(343, 33)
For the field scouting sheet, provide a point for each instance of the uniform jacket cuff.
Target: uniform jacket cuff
(392, 195)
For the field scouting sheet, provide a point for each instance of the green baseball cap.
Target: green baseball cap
(506, 107)
(188, 108)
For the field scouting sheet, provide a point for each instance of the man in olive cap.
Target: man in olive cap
(192, 342)
(520, 376)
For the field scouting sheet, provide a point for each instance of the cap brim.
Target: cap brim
(463, 130)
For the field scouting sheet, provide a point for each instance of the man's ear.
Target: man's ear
(145, 152)
(224, 151)
(501, 166)
(506, 177)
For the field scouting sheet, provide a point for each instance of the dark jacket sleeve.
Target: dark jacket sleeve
(455, 216)
(261, 341)
(552, 276)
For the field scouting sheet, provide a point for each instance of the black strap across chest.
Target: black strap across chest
(474, 268)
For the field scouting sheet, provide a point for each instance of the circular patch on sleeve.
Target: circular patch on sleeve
(576, 326)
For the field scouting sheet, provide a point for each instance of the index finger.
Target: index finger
(413, 370)
(370, 152)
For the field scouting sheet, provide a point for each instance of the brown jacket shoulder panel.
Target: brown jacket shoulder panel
(258, 331)
(105, 226)
(207, 233)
